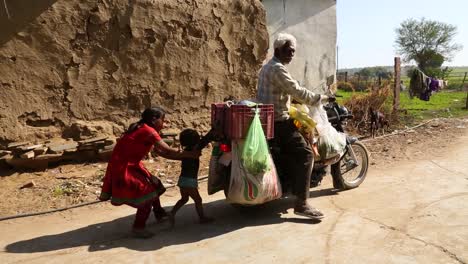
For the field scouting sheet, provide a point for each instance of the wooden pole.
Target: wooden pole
(464, 78)
(466, 107)
(396, 89)
(346, 76)
(358, 80)
(463, 85)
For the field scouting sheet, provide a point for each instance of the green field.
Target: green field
(460, 69)
(455, 78)
(442, 104)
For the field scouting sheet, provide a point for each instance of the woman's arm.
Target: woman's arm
(163, 150)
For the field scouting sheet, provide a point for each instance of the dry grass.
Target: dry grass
(359, 104)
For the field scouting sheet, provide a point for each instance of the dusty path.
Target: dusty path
(411, 212)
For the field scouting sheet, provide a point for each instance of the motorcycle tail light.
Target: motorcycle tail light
(225, 148)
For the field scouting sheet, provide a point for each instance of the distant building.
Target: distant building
(313, 23)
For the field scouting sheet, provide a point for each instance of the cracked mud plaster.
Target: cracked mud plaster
(104, 61)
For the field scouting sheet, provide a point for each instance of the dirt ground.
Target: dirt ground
(410, 209)
(71, 184)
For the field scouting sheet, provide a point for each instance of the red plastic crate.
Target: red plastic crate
(218, 116)
(235, 120)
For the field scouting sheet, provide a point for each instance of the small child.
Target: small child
(188, 180)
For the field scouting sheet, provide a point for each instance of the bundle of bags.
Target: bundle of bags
(254, 179)
(331, 143)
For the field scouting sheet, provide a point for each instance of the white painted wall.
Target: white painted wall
(313, 23)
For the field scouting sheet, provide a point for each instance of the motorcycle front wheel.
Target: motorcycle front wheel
(346, 173)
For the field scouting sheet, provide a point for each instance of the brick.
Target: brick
(109, 141)
(30, 184)
(27, 155)
(30, 147)
(109, 147)
(91, 140)
(40, 151)
(57, 148)
(17, 144)
(87, 147)
(51, 157)
(4, 152)
(70, 150)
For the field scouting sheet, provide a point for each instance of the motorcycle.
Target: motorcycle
(348, 170)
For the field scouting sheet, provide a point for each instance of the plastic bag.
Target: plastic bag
(249, 189)
(330, 142)
(255, 155)
(300, 113)
(216, 177)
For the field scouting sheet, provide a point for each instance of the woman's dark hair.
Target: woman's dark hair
(189, 138)
(146, 118)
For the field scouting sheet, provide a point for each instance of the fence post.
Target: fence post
(466, 106)
(396, 89)
(346, 76)
(464, 78)
(358, 80)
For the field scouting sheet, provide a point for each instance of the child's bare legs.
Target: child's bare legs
(183, 200)
(195, 195)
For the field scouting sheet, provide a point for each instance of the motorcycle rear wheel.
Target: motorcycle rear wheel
(345, 177)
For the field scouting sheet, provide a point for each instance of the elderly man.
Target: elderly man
(276, 86)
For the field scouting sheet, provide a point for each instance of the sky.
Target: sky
(366, 28)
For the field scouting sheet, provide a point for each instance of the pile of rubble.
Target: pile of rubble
(38, 156)
(28, 155)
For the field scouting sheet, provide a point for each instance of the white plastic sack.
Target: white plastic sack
(245, 188)
(330, 142)
(216, 180)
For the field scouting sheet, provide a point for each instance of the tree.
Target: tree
(375, 72)
(429, 43)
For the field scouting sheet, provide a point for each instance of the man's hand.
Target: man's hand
(327, 98)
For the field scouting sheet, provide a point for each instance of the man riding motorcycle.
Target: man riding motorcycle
(277, 87)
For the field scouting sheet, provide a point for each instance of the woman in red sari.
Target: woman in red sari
(127, 181)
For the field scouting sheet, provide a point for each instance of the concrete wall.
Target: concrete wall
(313, 23)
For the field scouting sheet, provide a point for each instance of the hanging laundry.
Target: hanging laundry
(422, 86)
(434, 85)
(418, 83)
(441, 84)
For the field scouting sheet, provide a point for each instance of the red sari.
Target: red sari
(127, 181)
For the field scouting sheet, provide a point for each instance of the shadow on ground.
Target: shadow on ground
(115, 233)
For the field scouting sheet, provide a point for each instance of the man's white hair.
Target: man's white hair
(282, 39)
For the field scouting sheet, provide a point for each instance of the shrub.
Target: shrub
(359, 105)
(345, 86)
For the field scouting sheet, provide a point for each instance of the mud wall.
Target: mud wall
(66, 65)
